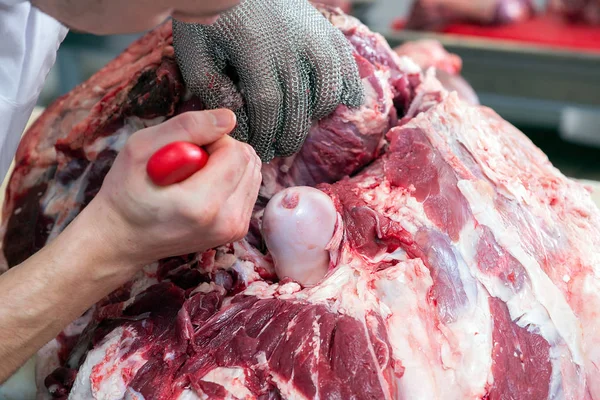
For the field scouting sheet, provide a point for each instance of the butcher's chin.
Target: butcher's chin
(192, 19)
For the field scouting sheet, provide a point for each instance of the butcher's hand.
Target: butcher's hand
(291, 67)
(208, 209)
(131, 222)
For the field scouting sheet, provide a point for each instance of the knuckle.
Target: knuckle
(203, 215)
(242, 151)
(248, 152)
(225, 232)
(232, 227)
(187, 123)
(242, 231)
(239, 231)
(270, 99)
(133, 151)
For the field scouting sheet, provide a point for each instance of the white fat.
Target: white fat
(264, 290)
(442, 361)
(332, 286)
(33, 177)
(397, 255)
(346, 290)
(400, 206)
(287, 390)
(372, 117)
(117, 140)
(144, 279)
(527, 308)
(246, 272)
(287, 290)
(261, 289)
(244, 251)
(62, 200)
(131, 394)
(465, 345)
(82, 387)
(207, 287)
(188, 394)
(408, 65)
(232, 379)
(102, 376)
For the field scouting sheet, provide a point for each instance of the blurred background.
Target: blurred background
(537, 63)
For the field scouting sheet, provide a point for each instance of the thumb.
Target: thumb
(198, 127)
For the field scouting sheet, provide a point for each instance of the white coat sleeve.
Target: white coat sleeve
(28, 45)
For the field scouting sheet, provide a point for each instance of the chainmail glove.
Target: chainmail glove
(278, 64)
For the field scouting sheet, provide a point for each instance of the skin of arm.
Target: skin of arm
(130, 223)
(55, 286)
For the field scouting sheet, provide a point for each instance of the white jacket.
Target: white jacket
(29, 40)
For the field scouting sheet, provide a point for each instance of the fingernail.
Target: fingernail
(222, 118)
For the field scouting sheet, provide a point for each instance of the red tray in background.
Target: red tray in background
(542, 30)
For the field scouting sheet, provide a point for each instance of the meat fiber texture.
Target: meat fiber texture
(463, 265)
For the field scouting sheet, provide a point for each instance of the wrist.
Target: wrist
(97, 243)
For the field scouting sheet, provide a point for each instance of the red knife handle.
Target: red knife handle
(176, 162)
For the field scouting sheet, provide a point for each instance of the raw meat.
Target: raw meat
(435, 14)
(463, 265)
(429, 53)
(577, 11)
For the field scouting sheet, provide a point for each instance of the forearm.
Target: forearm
(39, 297)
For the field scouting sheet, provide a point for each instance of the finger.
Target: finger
(199, 127)
(255, 64)
(242, 200)
(326, 67)
(203, 67)
(297, 107)
(352, 88)
(226, 165)
(265, 107)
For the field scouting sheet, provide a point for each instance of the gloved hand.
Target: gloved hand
(291, 66)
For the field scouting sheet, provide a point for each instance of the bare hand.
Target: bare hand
(142, 222)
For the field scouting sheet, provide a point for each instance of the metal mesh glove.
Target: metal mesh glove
(278, 64)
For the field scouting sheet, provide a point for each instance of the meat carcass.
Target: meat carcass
(462, 264)
(429, 53)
